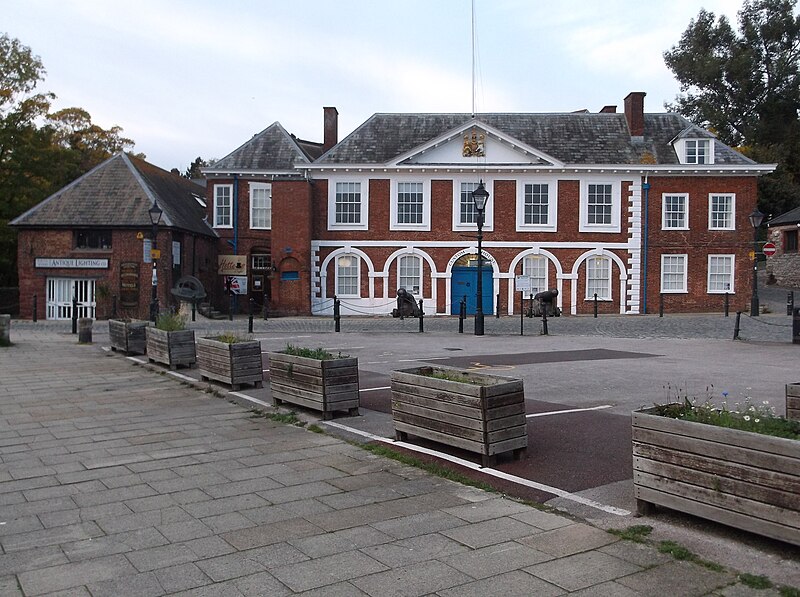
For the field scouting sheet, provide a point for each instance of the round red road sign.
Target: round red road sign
(769, 249)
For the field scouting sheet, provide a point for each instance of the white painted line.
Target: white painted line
(424, 359)
(138, 360)
(251, 399)
(376, 363)
(488, 471)
(181, 376)
(375, 389)
(571, 410)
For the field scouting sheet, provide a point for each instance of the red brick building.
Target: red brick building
(91, 241)
(629, 206)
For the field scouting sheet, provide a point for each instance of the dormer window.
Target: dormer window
(698, 151)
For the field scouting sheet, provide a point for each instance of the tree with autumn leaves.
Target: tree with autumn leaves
(40, 151)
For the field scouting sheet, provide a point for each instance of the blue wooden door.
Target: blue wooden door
(464, 282)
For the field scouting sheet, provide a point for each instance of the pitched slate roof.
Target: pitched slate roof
(119, 192)
(790, 217)
(271, 150)
(573, 138)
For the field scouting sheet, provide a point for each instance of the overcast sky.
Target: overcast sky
(188, 78)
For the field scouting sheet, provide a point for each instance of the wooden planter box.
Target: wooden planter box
(233, 364)
(128, 335)
(793, 401)
(487, 417)
(327, 386)
(738, 478)
(171, 348)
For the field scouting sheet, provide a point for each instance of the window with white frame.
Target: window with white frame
(537, 206)
(535, 267)
(409, 202)
(720, 273)
(675, 212)
(697, 151)
(721, 211)
(673, 273)
(223, 206)
(598, 278)
(348, 204)
(411, 205)
(348, 275)
(409, 273)
(260, 261)
(465, 216)
(260, 205)
(599, 201)
(600, 206)
(467, 212)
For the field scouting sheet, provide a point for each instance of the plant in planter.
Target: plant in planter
(314, 378)
(476, 412)
(738, 467)
(231, 359)
(128, 335)
(169, 342)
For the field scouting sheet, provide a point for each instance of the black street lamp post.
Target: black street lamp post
(480, 196)
(755, 221)
(155, 217)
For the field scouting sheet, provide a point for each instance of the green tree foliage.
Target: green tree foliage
(193, 171)
(40, 151)
(745, 86)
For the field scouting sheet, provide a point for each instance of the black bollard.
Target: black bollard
(661, 305)
(530, 307)
(35, 308)
(497, 311)
(727, 303)
(544, 320)
(736, 326)
(194, 310)
(251, 303)
(336, 315)
(421, 317)
(266, 309)
(595, 305)
(114, 307)
(521, 314)
(790, 302)
(74, 315)
(462, 307)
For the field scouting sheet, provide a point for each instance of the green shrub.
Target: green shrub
(230, 338)
(171, 322)
(320, 354)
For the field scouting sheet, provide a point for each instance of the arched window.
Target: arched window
(598, 278)
(409, 273)
(535, 267)
(348, 278)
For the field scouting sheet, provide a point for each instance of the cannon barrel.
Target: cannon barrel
(546, 296)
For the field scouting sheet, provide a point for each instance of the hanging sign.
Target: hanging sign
(232, 265)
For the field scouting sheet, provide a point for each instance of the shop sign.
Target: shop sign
(54, 262)
(232, 265)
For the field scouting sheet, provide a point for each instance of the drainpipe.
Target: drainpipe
(645, 238)
(235, 214)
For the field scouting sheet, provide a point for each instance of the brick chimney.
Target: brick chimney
(609, 110)
(331, 128)
(634, 112)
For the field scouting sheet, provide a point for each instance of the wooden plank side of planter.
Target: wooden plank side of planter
(734, 519)
(793, 401)
(719, 499)
(717, 467)
(731, 487)
(726, 475)
(434, 414)
(516, 443)
(454, 402)
(171, 348)
(443, 438)
(720, 449)
(233, 364)
(128, 335)
(442, 385)
(325, 385)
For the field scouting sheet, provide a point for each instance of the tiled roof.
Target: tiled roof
(119, 192)
(573, 138)
(790, 217)
(271, 150)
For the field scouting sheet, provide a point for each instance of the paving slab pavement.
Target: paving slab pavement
(118, 479)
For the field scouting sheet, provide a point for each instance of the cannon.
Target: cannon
(406, 305)
(545, 302)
